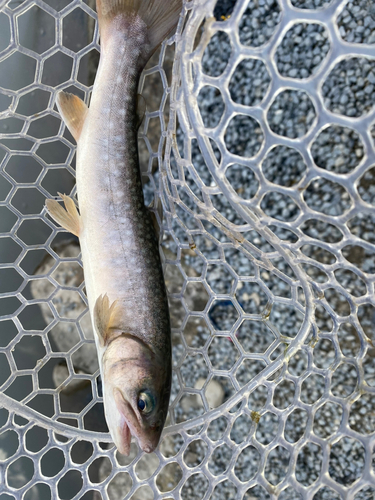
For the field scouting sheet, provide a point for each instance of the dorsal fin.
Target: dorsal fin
(73, 111)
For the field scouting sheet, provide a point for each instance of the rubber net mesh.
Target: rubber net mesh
(259, 141)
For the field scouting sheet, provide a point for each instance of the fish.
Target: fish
(119, 246)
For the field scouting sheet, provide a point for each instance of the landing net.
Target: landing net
(259, 141)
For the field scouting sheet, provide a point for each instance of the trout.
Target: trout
(120, 254)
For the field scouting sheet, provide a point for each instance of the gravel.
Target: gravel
(348, 90)
(257, 78)
(216, 55)
(357, 22)
(284, 166)
(350, 87)
(259, 22)
(327, 197)
(302, 50)
(243, 136)
(338, 149)
(310, 4)
(291, 114)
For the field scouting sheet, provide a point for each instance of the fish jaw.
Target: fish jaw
(123, 445)
(117, 424)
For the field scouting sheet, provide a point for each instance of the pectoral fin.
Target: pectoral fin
(73, 111)
(104, 318)
(67, 217)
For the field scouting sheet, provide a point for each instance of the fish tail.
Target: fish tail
(160, 17)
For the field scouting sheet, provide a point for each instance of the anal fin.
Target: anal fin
(67, 217)
(105, 318)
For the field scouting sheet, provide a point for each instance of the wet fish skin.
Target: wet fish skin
(122, 267)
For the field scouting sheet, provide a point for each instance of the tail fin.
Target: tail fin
(160, 16)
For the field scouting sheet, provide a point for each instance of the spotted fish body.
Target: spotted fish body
(119, 243)
(120, 254)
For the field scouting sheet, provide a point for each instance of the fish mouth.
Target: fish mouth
(130, 425)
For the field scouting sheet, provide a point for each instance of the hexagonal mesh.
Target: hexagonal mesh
(259, 140)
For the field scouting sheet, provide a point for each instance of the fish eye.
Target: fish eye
(145, 403)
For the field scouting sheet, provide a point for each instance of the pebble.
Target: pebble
(357, 22)
(294, 56)
(355, 71)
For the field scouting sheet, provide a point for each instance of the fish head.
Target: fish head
(136, 390)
